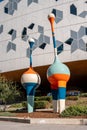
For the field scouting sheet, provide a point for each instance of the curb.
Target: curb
(14, 119)
(62, 121)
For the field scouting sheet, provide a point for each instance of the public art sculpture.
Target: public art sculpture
(30, 81)
(58, 75)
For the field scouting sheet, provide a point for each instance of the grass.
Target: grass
(7, 114)
(74, 111)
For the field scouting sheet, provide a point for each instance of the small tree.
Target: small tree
(8, 91)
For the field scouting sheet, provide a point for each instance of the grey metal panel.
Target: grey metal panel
(10, 6)
(74, 34)
(29, 2)
(58, 43)
(40, 39)
(83, 14)
(15, 1)
(82, 45)
(13, 35)
(40, 29)
(46, 39)
(1, 29)
(11, 12)
(36, 1)
(9, 47)
(14, 6)
(25, 38)
(81, 32)
(74, 46)
(59, 14)
(57, 20)
(13, 47)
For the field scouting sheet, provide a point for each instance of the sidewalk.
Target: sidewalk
(59, 121)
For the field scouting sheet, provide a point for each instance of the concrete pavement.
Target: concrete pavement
(4, 125)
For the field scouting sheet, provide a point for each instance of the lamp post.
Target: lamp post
(58, 75)
(30, 81)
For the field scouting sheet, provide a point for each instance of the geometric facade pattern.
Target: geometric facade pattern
(17, 26)
(30, 1)
(77, 39)
(73, 10)
(11, 46)
(58, 15)
(12, 32)
(11, 6)
(35, 1)
(42, 40)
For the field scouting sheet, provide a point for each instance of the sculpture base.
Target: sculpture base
(59, 105)
(30, 103)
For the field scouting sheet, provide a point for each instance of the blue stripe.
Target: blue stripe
(54, 42)
(55, 94)
(62, 93)
(30, 88)
(31, 45)
(30, 57)
(59, 93)
(1, 0)
(30, 103)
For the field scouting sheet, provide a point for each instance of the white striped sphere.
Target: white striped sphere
(30, 78)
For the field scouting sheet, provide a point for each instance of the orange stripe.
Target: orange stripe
(62, 84)
(52, 19)
(59, 77)
(58, 80)
(30, 71)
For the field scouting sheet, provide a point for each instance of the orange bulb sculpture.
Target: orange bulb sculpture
(30, 81)
(58, 75)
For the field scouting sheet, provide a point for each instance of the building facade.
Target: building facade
(24, 19)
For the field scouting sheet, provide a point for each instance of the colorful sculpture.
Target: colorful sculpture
(30, 81)
(58, 75)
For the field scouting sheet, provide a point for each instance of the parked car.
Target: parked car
(73, 93)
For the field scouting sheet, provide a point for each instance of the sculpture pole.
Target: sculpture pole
(58, 75)
(30, 81)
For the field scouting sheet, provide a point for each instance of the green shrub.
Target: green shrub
(37, 104)
(24, 104)
(40, 104)
(72, 98)
(16, 105)
(44, 98)
(74, 111)
(83, 95)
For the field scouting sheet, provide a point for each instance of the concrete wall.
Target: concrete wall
(23, 19)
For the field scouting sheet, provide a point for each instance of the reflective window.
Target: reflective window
(73, 9)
